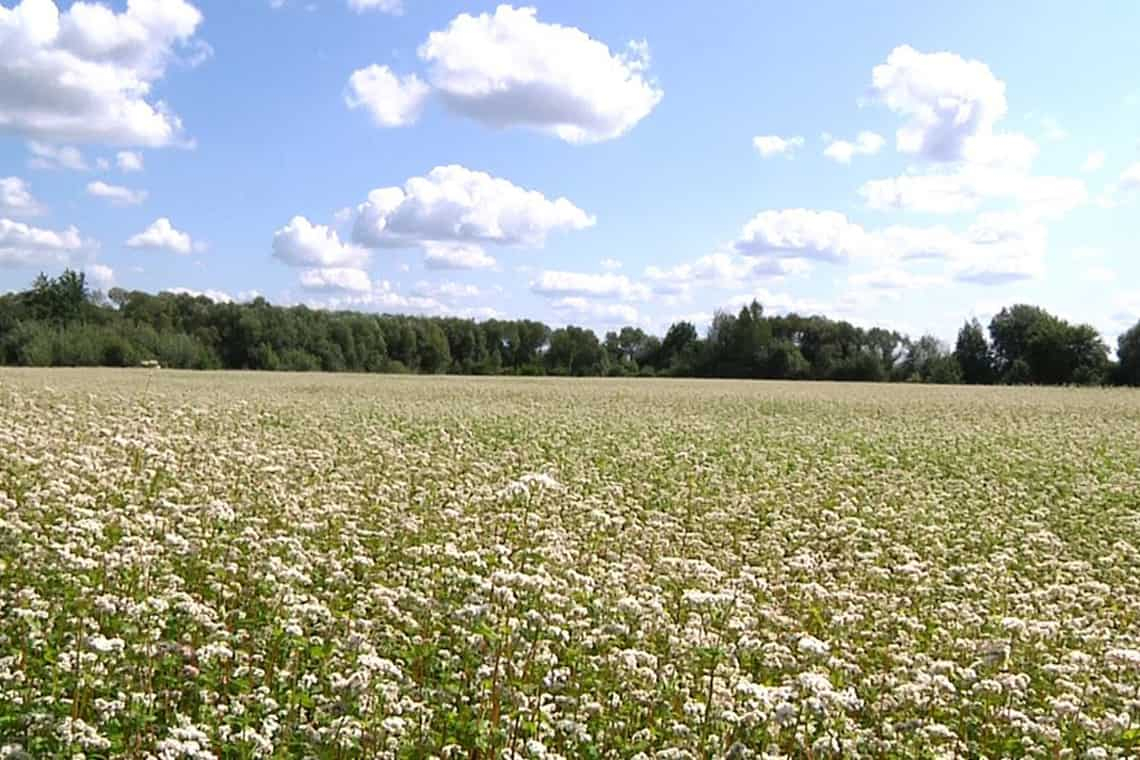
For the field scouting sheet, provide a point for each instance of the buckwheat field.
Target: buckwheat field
(246, 566)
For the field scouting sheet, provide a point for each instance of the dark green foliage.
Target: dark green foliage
(59, 322)
(972, 352)
(1128, 356)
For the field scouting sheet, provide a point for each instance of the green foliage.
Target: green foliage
(58, 321)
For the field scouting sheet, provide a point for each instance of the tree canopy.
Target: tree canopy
(60, 322)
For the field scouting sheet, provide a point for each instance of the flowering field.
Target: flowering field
(238, 565)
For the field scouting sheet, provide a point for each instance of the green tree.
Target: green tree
(972, 352)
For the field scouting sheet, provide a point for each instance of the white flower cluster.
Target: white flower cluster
(233, 565)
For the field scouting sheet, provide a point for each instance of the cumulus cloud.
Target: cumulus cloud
(161, 235)
(87, 74)
(47, 156)
(119, 196)
(950, 104)
(300, 243)
(997, 249)
(129, 161)
(610, 264)
(865, 144)
(100, 275)
(392, 7)
(16, 198)
(347, 279)
(24, 245)
(774, 145)
(455, 204)
(608, 285)
(508, 69)
(391, 100)
(801, 233)
(456, 256)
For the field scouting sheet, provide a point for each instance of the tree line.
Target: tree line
(60, 321)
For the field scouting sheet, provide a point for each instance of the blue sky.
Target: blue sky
(595, 163)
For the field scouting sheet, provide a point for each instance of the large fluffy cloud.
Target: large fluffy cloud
(802, 234)
(391, 100)
(87, 74)
(580, 284)
(510, 69)
(24, 245)
(950, 104)
(301, 243)
(456, 204)
(16, 198)
(161, 235)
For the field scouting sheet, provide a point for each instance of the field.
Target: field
(258, 565)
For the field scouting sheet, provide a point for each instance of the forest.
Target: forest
(60, 321)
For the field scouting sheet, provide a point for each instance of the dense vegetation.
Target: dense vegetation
(234, 566)
(60, 322)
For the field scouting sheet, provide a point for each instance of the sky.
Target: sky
(584, 161)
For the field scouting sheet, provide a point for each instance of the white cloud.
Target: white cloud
(456, 256)
(24, 245)
(446, 290)
(393, 7)
(1000, 248)
(969, 186)
(866, 144)
(46, 156)
(774, 145)
(510, 69)
(608, 285)
(894, 278)
(951, 104)
(391, 100)
(801, 233)
(1130, 179)
(16, 198)
(100, 275)
(88, 74)
(607, 313)
(162, 236)
(303, 244)
(336, 279)
(720, 270)
(119, 196)
(453, 203)
(217, 296)
(610, 264)
(129, 161)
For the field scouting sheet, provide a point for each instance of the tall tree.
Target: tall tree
(973, 354)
